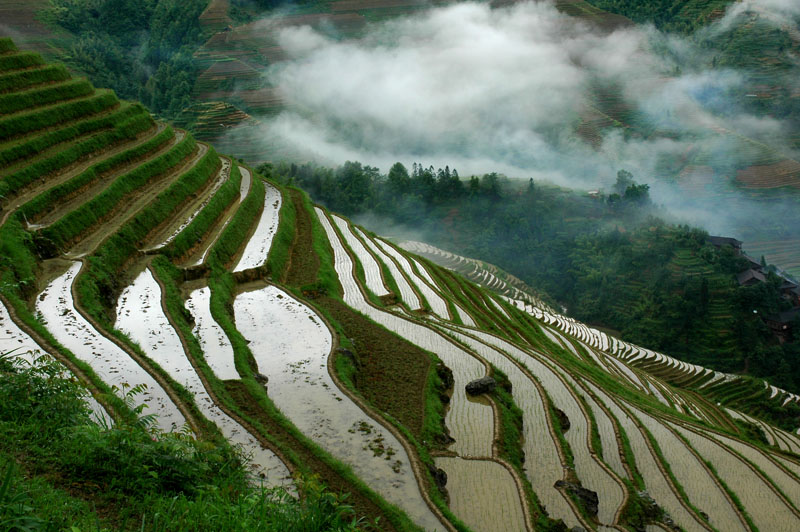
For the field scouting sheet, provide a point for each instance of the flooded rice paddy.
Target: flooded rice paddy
(111, 363)
(141, 316)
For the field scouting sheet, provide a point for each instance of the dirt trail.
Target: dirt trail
(75, 200)
(130, 206)
(46, 183)
(183, 217)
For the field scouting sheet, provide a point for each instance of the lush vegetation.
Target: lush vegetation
(60, 470)
(142, 48)
(606, 258)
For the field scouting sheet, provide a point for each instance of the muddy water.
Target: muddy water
(541, 450)
(215, 343)
(592, 474)
(765, 508)
(437, 304)
(407, 293)
(111, 363)
(257, 248)
(656, 483)
(499, 511)
(291, 345)
(470, 423)
(141, 316)
(19, 344)
(372, 271)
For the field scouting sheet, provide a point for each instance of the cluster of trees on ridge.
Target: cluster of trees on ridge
(609, 258)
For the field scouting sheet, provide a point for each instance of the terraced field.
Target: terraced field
(135, 255)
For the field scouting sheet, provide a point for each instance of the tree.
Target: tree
(399, 180)
(624, 180)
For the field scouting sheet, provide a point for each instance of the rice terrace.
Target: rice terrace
(192, 342)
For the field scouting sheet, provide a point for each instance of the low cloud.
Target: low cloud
(504, 90)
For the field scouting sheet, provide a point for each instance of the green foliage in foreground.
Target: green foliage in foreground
(141, 478)
(25, 78)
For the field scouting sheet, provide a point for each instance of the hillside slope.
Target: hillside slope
(135, 254)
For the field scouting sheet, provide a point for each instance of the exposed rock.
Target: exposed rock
(563, 419)
(483, 385)
(439, 477)
(446, 375)
(261, 379)
(587, 498)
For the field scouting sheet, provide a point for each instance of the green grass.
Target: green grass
(141, 478)
(7, 45)
(52, 115)
(19, 60)
(36, 144)
(233, 237)
(23, 79)
(39, 96)
(80, 220)
(49, 199)
(205, 220)
(278, 258)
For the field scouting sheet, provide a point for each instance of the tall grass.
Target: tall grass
(23, 79)
(36, 97)
(40, 118)
(36, 144)
(7, 45)
(49, 198)
(20, 60)
(234, 235)
(205, 220)
(80, 220)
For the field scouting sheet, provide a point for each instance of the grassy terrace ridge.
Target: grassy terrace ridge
(77, 222)
(25, 122)
(15, 81)
(34, 148)
(48, 199)
(39, 96)
(204, 222)
(19, 60)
